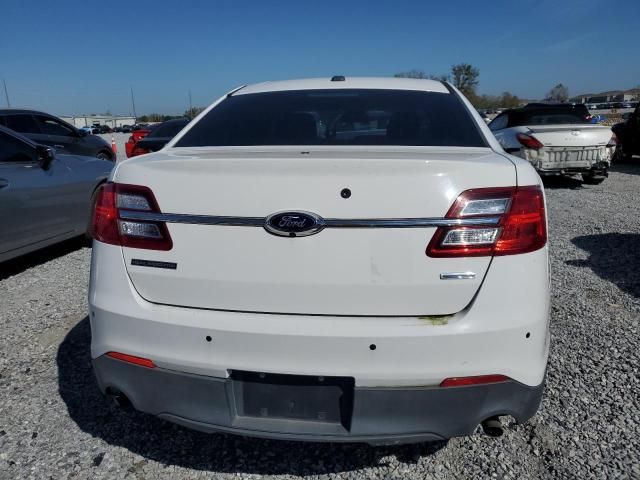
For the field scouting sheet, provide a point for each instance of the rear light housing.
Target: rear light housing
(521, 225)
(108, 226)
(613, 141)
(529, 141)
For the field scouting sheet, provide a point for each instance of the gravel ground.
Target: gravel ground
(55, 424)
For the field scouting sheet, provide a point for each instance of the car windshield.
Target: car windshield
(549, 116)
(337, 117)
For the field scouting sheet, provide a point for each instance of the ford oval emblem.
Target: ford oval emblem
(293, 224)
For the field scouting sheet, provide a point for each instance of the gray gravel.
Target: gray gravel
(55, 424)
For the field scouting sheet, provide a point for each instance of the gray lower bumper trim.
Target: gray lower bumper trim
(379, 415)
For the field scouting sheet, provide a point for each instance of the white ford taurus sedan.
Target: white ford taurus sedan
(344, 259)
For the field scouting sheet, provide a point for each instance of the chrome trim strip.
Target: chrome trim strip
(192, 219)
(327, 222)
(458, 276)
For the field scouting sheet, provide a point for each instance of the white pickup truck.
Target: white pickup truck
(557, 139)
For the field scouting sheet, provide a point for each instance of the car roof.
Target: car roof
(326, 83)
(20, 110)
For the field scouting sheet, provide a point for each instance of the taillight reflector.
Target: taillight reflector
(108, 227)
(143, 362)
(522, 225)
(477, 380)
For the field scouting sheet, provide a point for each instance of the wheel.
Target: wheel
(593, 178)
(104, 156)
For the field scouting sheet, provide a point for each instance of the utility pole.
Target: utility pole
(190, 106)
(6, 94)
(133, 105)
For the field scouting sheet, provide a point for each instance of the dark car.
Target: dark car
(46, 129)
(126, 129)
(628, 135)
(105, 129)
(159, 136)
(45, 197)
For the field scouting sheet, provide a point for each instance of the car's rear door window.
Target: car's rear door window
(51, 126)
(337, 117)
(23, 123)
(13, 150)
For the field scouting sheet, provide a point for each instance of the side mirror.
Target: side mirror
(45, 156)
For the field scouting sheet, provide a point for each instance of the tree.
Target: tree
(421, 74)
(465, 78)
(509, 100)
(559, 93)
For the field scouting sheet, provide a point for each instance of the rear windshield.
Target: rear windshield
(549, 116)
(337, 117)
(168, 129)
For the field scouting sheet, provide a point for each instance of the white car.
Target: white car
(558, 139)
(345, 259)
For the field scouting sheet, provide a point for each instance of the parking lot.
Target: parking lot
(55, 424)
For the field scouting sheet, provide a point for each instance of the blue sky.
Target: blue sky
(83, 57)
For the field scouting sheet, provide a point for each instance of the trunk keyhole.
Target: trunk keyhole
(345, 193)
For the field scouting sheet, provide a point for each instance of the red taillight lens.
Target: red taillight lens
(521, 227)
(139, 151)
(524, 228)
(104, 220)
(108, 226)
(529, 141)
(143, 362)
(478, 380)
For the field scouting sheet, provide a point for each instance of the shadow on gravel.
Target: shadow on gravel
(20, 264)
(630, 168)
(614, 257)
(170, 444)
(562, 182)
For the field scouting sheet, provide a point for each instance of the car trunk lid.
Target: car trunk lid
(337, 271)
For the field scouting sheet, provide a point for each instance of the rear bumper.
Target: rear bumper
(374, 415)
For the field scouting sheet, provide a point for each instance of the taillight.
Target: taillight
(518, 224)
(139, 151)
(529, 141)
(613, 141)
(108, 226)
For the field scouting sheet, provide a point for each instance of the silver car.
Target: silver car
(44, 198)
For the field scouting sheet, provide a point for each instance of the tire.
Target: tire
(593, 179)
(104, 156)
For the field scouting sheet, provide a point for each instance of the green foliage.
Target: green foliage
(506, 100)
(156, 117)
(465, 78)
